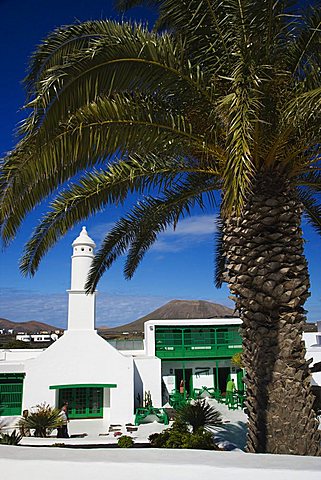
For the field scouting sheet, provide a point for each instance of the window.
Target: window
(222, 336)
(11, 386)
(83, 402)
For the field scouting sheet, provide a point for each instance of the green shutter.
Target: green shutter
(11, 388)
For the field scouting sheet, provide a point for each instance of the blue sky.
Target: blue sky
(180, 265)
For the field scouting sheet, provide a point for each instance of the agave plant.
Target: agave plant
(4, 424)
(13, 438)
(200, 415)
(43, 420)
(221, 95)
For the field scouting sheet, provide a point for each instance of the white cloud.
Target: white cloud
(199, 225)
(112, 310)
(188, 232)
(99, 231)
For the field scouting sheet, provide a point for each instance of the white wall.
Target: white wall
(81, 310)
(200, 379)
(19, 354)
(81, 357)
(148, 377)
(309, 338)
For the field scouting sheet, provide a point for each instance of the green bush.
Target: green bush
(10, 439)
(125, 442)
(178, 436)
(237, 360)
(43, 420)
(200, 440)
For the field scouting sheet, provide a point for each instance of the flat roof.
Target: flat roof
(197, 322)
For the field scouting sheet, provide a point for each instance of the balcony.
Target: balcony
(174, 343)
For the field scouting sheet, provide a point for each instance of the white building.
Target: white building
(107, 383)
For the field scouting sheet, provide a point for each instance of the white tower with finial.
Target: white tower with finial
(81, 307)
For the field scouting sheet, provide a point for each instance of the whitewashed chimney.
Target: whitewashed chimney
(81, 307)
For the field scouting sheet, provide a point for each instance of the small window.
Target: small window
(76, 249)
(90, 249)
(83, 402)
(82, 249)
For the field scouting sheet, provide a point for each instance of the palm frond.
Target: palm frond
(312, 209)
(126, 57)
(305, 52)
(136, 232)
(61, 45)
(93, 193)
(305, 107)
(241, 106)
(200, 414)
(125, 5)
(311, 180)
(92, 136)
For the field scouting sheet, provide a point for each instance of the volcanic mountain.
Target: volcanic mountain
(27, 327)
(177, 310)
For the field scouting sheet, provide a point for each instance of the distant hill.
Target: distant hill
(27, 327)
(176, 310)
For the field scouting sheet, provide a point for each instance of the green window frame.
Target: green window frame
(84, 402)
(11, 391)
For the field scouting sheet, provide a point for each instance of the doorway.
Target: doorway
(185, 374)
(223, 374)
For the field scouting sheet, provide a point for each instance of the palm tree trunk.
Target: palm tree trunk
(267, 273)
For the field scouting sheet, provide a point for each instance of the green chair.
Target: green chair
(177, 399)
(143, 413)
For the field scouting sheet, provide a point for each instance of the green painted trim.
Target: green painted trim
(216, 373)
(84, 385)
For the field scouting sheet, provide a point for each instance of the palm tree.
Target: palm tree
(219, 96)
(199, 415)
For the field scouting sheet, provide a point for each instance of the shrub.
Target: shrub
(200, 440)
(125, 442)
(178, 436)
(43, 420)
(237, 360)
(10, 439)
(199, 415)
(155, 439)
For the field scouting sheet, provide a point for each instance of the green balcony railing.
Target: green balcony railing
(197, 342)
